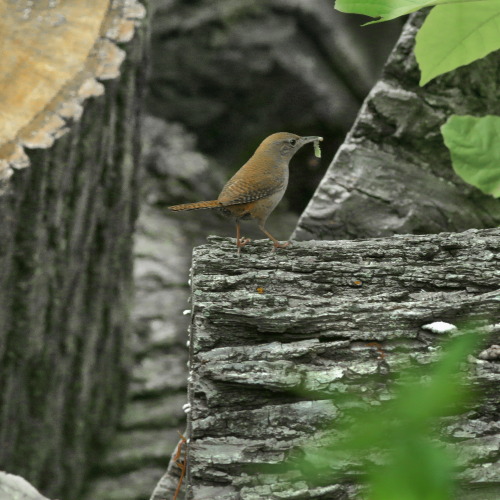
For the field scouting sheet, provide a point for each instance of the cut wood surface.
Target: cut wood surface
(53, 54)
(269, 323)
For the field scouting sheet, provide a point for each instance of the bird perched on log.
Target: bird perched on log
(254, 191)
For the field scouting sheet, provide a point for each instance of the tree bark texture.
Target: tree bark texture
(393, 173)
(270, 323)
(66, 226)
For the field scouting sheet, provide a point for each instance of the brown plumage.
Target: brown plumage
(195, 206)
(254, 191)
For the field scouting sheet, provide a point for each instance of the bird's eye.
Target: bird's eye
(293, 142)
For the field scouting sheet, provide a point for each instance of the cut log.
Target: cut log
(269, 323)
(53, 55)
(69, 154)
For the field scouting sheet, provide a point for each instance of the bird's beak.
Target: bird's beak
(305, 140)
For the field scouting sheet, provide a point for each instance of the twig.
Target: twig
(180, 463)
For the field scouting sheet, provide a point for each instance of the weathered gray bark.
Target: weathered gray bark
(393, 173)
(269, 323)
(66, 226)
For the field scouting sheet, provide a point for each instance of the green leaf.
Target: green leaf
(474, 145)
(399, 479)
(387, 9)
(457, 34)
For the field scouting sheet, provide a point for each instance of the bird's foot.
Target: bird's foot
(277, 244)
(240, 243)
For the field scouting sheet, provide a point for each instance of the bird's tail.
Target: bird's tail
(196, 206)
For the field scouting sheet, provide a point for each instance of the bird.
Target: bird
(255, 190)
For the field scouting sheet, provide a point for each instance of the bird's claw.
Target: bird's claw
(277, 245)
(241, 243)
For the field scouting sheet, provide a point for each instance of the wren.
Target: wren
(258, 186)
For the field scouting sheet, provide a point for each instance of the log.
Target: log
(69, 156)
(269, 323)
(53, 56)
(393, 173)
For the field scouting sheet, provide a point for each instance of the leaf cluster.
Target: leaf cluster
(455, 33)
(395, 445)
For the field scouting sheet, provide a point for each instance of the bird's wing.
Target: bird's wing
(238, 190)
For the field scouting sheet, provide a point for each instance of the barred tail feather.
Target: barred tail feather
(196, 206)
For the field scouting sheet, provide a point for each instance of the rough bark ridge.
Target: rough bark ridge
(65, 279)
(268, 323)
(393, 173)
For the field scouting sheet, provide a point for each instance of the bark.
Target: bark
(393, 173)
(66, 223)
(268, 324)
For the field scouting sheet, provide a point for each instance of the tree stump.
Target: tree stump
(270, 323)
(69, 154)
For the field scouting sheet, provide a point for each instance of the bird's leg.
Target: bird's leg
(276, 243)
(240, 242)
